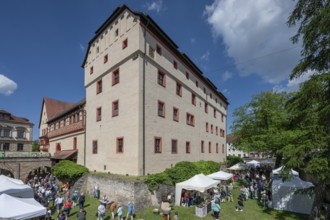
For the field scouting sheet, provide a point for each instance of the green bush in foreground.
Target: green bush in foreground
(66, 169)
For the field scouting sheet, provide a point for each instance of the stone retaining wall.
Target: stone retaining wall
(122, 191)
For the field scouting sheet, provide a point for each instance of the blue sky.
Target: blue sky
(242, 46)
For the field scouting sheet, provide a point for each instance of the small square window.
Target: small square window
(175, 64)
(159, 49)
(161, 109)
(193, 99)
(174, 147)
(105, 59)
(94, 147)
(115, 77)
(158, 145)
(179, 89)
(125, 43)
(188, 147)
(120, 145)
(20, 147)
(115, 108)
(99, 86)
(175, 114)
(161, 78)
(99, 114)
(190, 119)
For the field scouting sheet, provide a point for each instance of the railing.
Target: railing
(10, 154)
(66, 129)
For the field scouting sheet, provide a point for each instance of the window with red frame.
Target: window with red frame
(214, 113)
(202, 146)
(206, 108)
(94, 147)
(115, 108)
(99, 86)
(91, 70)
(120, 145)
(105, 59)
(175, 64)
(188, 147)
(222, 117)
(223, 148)
(115, 77)
(158, 145)
(99, 114)
(158, 49)
(179, 89)
(211, 129)
(174, 147)
(175, 114)
(161, 109)
(210, 147)
(190, 119)
(216, 130)
(217, 148)
(161, 78)
(207, 127)
(125, 43)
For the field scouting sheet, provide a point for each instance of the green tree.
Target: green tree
(232, 160)
(310, 106)
(261, 125)
(36, 146)
(68, 170)
(313, 18)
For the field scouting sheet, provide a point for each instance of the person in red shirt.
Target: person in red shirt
(67, 207)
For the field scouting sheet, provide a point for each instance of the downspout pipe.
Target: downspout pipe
(144, 102)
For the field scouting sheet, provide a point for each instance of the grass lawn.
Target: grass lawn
(252, 210)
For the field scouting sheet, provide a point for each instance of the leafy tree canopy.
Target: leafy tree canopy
(232, 160)
(36, 146)
(313, 18)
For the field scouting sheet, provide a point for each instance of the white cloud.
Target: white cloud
(155, 6)
(7, 86)
(256, 36)
(294, 84)
(227, 75)
(205, 56)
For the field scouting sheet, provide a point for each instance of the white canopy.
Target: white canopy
(15, 188)
(19, 208)
(253, 163)
(199, 182)
(220, 175)
(278, 171)
(11, 179)
(238, 166)
(286, 195)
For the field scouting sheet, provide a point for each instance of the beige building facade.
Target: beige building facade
(15, 133)
(148, 106)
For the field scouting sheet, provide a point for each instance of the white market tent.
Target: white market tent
(220, 175)
(19, 208)
(11, 179)
(287, 195)
(199, 182)
(253, 163)
(238, 166)
(14, 188)
(278, 171)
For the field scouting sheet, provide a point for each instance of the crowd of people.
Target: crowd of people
(61, 198)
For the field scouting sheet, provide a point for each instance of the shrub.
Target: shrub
(207, 167)
(232, 160)
(66, 169)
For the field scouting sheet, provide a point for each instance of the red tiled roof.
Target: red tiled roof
(54, 107)
(14, 118)
(64, 154)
